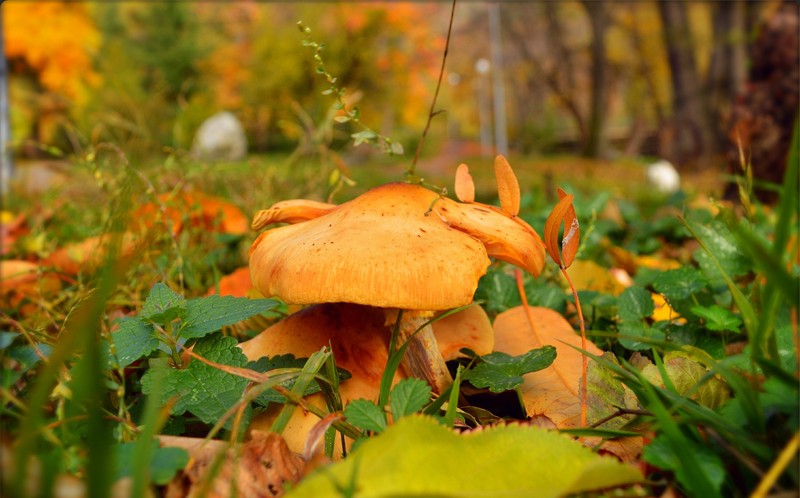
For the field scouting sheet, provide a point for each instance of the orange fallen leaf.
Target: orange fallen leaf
(201, 210)
(553, 393)
(87, 255)
(236, 284)
(20, 280)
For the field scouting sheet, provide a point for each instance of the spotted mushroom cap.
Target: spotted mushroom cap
(396, 246)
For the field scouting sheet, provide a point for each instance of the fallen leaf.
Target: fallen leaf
(199, 209)
(588, 275)
(21, 280)
(87, 255)
(417, 456)
(236, 284)
(553, 391)
(260, 467)
(11, 228)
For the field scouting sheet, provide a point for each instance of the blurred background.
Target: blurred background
(604, 80)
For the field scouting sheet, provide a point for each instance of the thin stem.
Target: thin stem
(585, 362)
(412, 169)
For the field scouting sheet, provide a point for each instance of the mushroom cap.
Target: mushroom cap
(395, 246)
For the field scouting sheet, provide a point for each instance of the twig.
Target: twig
(412, 169)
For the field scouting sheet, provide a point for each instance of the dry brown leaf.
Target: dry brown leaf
(464, 186)
(258, 468)
(554, 391)
(507, 186)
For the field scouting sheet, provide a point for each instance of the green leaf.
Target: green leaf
(638, 336)
(201, 389)
(363, 136)
(162, 305)
(209, 314)
(680, 283)
(718, 240)
(133, 340)
(6, 338)
(660, 453)
(166, 462)
(396, 149)
(365, 415)
(718, 319)
(502, 372)
(25, 358)
(409, 396)
(635, 303)
(498, 291)
(417, 456)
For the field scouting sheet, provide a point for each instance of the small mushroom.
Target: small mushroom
(359, 340)
(398, 247)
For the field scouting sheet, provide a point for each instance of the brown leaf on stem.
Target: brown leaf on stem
(507, 186)
(563, 212)
(464, 186)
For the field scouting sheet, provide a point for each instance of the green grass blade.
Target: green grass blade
(315, 362)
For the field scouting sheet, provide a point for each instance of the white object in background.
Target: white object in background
(663, 176)
(220, 138)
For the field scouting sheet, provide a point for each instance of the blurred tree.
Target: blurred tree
(689, 133)
(766, 111)
(598, 19)
(49, 45)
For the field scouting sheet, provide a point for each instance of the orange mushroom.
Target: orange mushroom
(359, 340)
(398, 247)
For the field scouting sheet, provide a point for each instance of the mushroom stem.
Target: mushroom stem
(422, 358)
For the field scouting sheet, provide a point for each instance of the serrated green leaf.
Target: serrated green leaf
(680, 283)
(417, 456)
(502, 372)
(162, 305)
(365, 415)
(718, 318)
(166, 462)
(209, 314)
(635, 303)
(133, 340)
(201, 389)
(26, 358)
(409, 396)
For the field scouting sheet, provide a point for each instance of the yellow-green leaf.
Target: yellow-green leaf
(417, 456)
